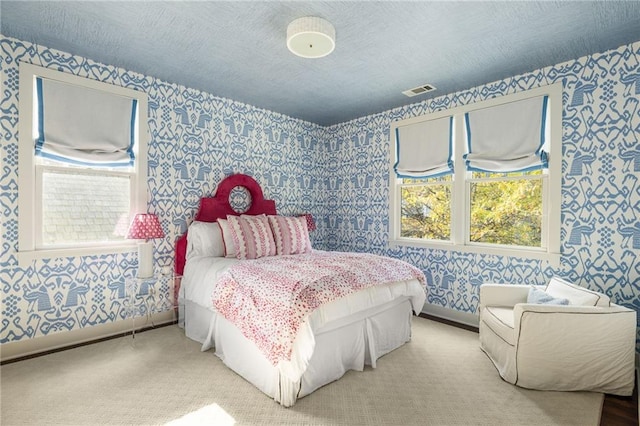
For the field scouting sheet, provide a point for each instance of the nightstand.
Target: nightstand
(147, 296)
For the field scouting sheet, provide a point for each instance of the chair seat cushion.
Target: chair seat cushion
(500, 320)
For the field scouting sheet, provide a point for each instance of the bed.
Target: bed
(293, 338)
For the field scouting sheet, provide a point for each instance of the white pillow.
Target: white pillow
(204, 239)
(577, 295)
(227, 237)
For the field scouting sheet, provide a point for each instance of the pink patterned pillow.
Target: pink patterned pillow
(252, 236)
(290, 234)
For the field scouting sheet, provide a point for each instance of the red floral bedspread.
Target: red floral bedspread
(269, 298)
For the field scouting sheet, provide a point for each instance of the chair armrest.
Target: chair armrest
(492, 294)
(575, 347)
(520, 308)
(583, 317)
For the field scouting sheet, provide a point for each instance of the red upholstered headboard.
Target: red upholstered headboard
(218, 207)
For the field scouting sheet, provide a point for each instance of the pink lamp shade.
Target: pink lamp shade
(311, 224)
(145, 226)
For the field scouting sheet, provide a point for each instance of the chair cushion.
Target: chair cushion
(500, 320)
(543, 298)
(578, 296)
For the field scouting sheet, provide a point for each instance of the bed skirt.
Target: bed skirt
(346, 344)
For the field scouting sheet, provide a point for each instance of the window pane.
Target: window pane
(426, 212)
(507, 212)
(83, 207)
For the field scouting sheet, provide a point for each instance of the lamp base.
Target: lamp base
(145, 260)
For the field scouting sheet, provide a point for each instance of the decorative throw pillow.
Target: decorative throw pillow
(252, 236)
(576, 295)
(230, 249)
(290, 234)
(543, 298)
(204, 239)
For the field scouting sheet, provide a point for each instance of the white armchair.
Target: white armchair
(588, 345)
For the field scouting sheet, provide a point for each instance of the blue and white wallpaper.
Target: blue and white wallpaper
(600, 186)
(340, 175)
(195, 140)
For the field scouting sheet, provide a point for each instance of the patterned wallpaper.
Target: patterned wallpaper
(196, 139)
(340, 174)
(600, 233)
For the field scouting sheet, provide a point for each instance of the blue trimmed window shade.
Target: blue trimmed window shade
(79, 125)
(424, 149)
(508, 137)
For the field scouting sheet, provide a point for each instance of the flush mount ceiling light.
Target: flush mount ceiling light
(311, 37)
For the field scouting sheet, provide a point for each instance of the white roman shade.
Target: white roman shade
(424, 149)
(508, 137)
(80, 125)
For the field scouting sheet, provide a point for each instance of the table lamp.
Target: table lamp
(145, 226)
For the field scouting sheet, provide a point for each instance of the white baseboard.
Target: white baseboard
(466, 318)
(54, 341)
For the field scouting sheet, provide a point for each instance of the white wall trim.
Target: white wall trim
(54, 341)
(26, 258)
(465, 318)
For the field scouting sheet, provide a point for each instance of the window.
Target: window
(506, 208)
(426, 208)
(489, 182)
(82, 159)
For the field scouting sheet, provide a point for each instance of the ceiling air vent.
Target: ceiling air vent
(419, 90)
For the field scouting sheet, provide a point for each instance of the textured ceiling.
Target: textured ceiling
(237, 50)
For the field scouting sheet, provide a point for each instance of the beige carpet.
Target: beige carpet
(440, 378)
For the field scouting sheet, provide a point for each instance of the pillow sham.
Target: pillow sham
(204, 239)
(290, 234)
(252, 236)
(230, 249)
(543, 298)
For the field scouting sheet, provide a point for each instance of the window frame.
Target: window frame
(460, 203)
(30, 169)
